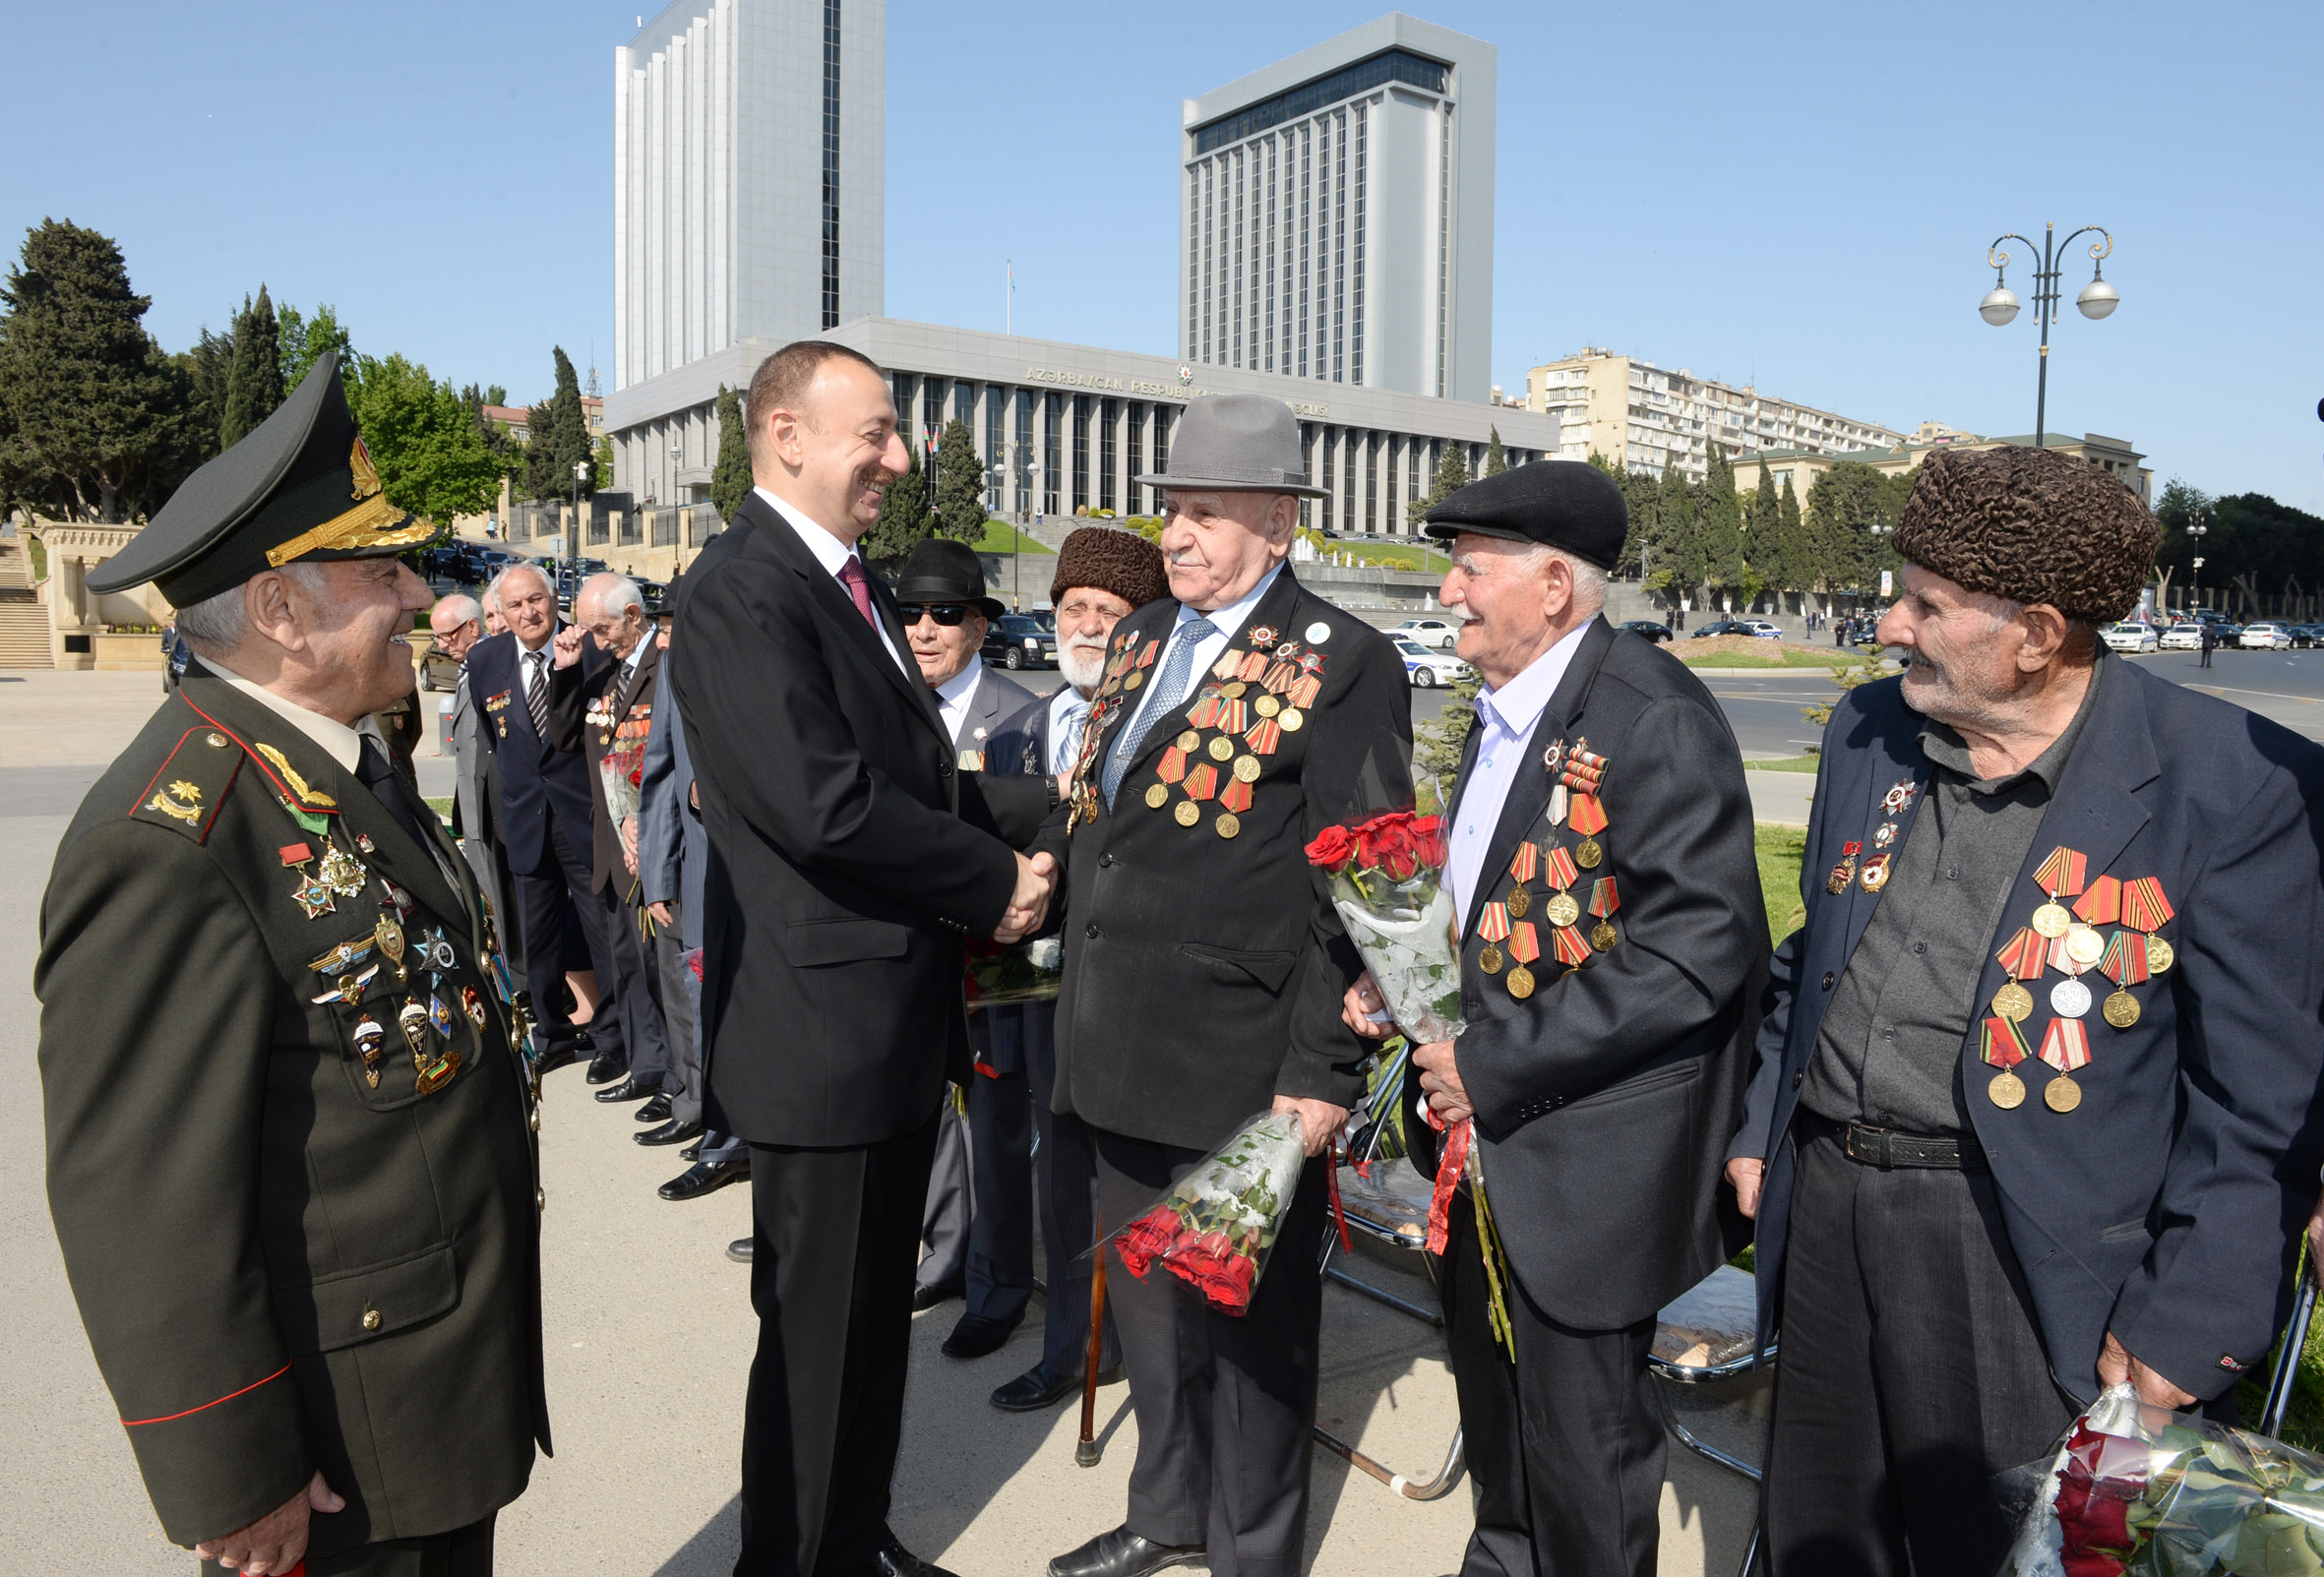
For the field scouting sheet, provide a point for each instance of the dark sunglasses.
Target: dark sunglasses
(943, 613)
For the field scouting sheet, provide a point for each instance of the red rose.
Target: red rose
(2091, 1564)
(1393, 847)
(1428, 833)
(1331, 848)
(1149, 1236)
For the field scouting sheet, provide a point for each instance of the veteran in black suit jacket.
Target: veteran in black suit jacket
(1613, 944)
(2035, 1107)
(843, 875)
(1204, 968)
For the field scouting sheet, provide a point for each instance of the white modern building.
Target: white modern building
(1338, 215)
(747, 218)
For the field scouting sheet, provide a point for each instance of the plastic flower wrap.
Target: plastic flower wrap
(1387, 882)
(1215, 1227)
(2141, 1491)
(622, 768)
(1025, 972)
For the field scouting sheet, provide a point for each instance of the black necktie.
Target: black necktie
(371, 765)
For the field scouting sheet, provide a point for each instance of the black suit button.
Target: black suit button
(1092, 932)
(1106, 859)
(1799, 1077)
(1828, 978)
(943, 769)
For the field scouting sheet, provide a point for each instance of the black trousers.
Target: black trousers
(836, 1234)
(1000, 1269)
(1912, 1372)
(1566, 1447)
(1065, 1174)
(461, 1552)
(547, 896)
(1225, 1405)
(627, 994)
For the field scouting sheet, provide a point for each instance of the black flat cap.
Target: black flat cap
(1560, 504)
(300, 485)
(940, 570)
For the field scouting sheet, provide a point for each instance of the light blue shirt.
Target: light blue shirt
(1225, 624)
(1505, 721)
(1069, 712)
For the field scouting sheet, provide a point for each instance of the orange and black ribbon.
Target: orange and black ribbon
(2101, 905)
(2060, 876)
(1525, 863)
(2126, 962)
(2144, 908)
(2025, 954)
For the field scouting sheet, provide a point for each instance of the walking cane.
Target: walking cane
(1087, 1451)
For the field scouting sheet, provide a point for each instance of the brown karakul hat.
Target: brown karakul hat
(1111, 560)
(2031, 525)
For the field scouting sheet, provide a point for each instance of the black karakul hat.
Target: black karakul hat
(1559, 504)
(940, 570)
(2031, 525)
(299, 486)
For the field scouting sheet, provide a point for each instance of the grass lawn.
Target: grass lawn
(1393, 556)
(1785, 657)
(1783, 764)
(1779, 850)
(1001, 537)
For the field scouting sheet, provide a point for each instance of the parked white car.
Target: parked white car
(2266, 638)
(1425, 668)
(2183, 637)
(1763, 628)
(1439, 632)
(2133, 635)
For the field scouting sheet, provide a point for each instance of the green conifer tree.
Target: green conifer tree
(254, 375)
(1452, 474)
(903, 520)
(1496, 460)
(730, 479)
(560, 439)
(960, 512)
(1727, 554)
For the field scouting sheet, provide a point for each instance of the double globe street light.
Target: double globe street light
(2096, 298)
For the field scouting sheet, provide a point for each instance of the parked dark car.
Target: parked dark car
(1723, 627)
(1658, 633)
(438, 669)
(1018, 640)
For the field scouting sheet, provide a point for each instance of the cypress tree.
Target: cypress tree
(1792, 532)
(1452, 474)
(1678, 531)
(560, 439)
(1496, 461)
(1764, 535)
(730, 480)
(1728, 557)
(960, 512)
(254, 377)
(903, 517)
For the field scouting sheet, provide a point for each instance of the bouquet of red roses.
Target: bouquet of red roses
(2140, 1489)
(1387, 882)
(1215, 1227)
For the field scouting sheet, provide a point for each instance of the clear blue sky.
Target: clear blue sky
(1795, 194)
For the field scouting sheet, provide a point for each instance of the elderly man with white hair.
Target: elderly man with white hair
(456, 623)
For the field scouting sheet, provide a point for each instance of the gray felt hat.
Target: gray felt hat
(1237, 444)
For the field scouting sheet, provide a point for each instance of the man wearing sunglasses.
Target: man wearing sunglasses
(941, 598)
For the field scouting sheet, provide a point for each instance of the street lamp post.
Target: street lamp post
(2196, 531)
(2095, 300)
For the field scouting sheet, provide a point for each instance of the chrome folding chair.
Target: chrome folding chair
(1710, 1333)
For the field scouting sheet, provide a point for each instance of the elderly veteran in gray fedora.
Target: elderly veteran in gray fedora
(1204, 969)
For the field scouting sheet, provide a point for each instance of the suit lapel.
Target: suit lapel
(1273, 610)
(838, 609)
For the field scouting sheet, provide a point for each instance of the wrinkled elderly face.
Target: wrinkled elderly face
(1219, 545)
(340, 626)
(1085, 622)
(943, 650)
(615, 629)
(455, 633)
(528, 605)
(1513, 593)
(1960, 663)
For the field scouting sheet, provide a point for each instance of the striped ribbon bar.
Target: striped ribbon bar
(2024, 954)
(2102, 903)
(1492, 922)
(1304, 692)
(1264, 736)
(1587, 815)
(2004, 1043)
(2061, 961)
(1172, 766)
(1524, 941)
(1604, 900)
(2126, 962)
(1202, 782)
(2060, 876)
(1227, 665)
(1573, 949)
(2066, 1045)
(1145, 658)
(1254, 665)
(1281, 677)
(1559, 868)
(1525, 863)
(2144, 908)
(1235, 796)
(1235, 716)
(1206, 710)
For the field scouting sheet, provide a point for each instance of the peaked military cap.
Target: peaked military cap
(299, 486)
(1559, 504)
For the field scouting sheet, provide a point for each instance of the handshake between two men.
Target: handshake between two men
(1028, 906)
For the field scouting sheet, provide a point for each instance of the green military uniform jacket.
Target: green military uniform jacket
(290, 1256)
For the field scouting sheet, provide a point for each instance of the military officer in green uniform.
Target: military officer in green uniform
(291, 1135)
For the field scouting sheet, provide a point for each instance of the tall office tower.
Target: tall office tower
(1337, 216)
(749, 206)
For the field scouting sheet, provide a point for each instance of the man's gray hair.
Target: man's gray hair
(217, 625)
(464, 610)
(615, 593)
(1589, 582)
(500, 582)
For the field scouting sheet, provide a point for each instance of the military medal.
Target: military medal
(1898, 797)
(1262, 635)
(1172, 765)
(2025, 956)
(363, 842)
(312, 895)
(1524, 947)
(1874, 875)
(1494, 926)
(2125, 964)
(436, 1072)
(1588, 818)
(389, 937)
(1222, 749)
(1844, 871)
(472, 1003)
(370, 1041)
(2060, 877)
(1265, 734)
(1227, 824)
(1604, 900)
(2160, 955)
(2101, 903)
(1188, 740)
(341, 872)
(2005, 1048)
(2084, 945)
(2069, 998)
(1524, 866)
(1246, 770)
(438, 954)
(2145, 909)
(2065, 1046)
(295, 855)
(1268, 705)
(1291, 719)
(1188, 812)
(1884, 835)
(440, 1017)
(1157, 796)
(1133, 679)
(343, 958)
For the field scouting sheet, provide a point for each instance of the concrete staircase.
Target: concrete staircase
(24, 623)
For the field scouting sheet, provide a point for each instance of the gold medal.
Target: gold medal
(1188, 812)
(2013, 1002)
(2052, 920)
(1587, 854)
(1189, 740)
(1157, 796)
(2121, 1009)
(1842, 874)
(1521, 982)
(1232, 689)
(2062, 1094)
(2008, 1091)
(1228, 824)
(2084, 945)
(1268, 705)
(1133, 679)
(1246, 768)
(2160, 956)
(1222, 749)
(340, 872)
(1562, 910)
(1602, 936)
(1520, 901)
(1292, 720)
(389, 937)
(1489, 959)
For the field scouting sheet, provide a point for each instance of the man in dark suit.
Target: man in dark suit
(291, 1157)
(845, 872)
(597, 716)
(546, 819)
(975, 1252)
(1205, 968)
(1613, 944)
(1103, 574)
(1983, 1194)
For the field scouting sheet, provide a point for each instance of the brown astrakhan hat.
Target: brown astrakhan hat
(2031, 525)
(1112, 560)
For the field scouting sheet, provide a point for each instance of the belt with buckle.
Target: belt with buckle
(1892, 1148)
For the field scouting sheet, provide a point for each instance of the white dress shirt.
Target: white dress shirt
(834, 554)
(335, 739)
(953, 695)
(1505, 720)
(1225, 624)
(1069, 712)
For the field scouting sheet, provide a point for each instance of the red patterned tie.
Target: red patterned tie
(859, 586)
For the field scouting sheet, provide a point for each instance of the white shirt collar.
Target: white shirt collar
(1229, 620)
(1517, 705)
(957, 691)
(335, 739)
(830, 552)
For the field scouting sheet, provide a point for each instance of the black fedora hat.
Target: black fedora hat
(943, 571)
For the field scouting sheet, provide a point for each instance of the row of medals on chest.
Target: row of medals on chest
(1579, 774)
(1287, 679)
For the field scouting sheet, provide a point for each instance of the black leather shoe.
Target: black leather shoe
(1035, 1389)
(608, 1065)
(693, 1152)
(975, 1336)
(628, 1089)
(705, 1177)
(927, 1298)
(739, 1250)
(655, 1109)
(671, 1133)
(1123, 1554)
(894, 1561)
(555, 1057)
